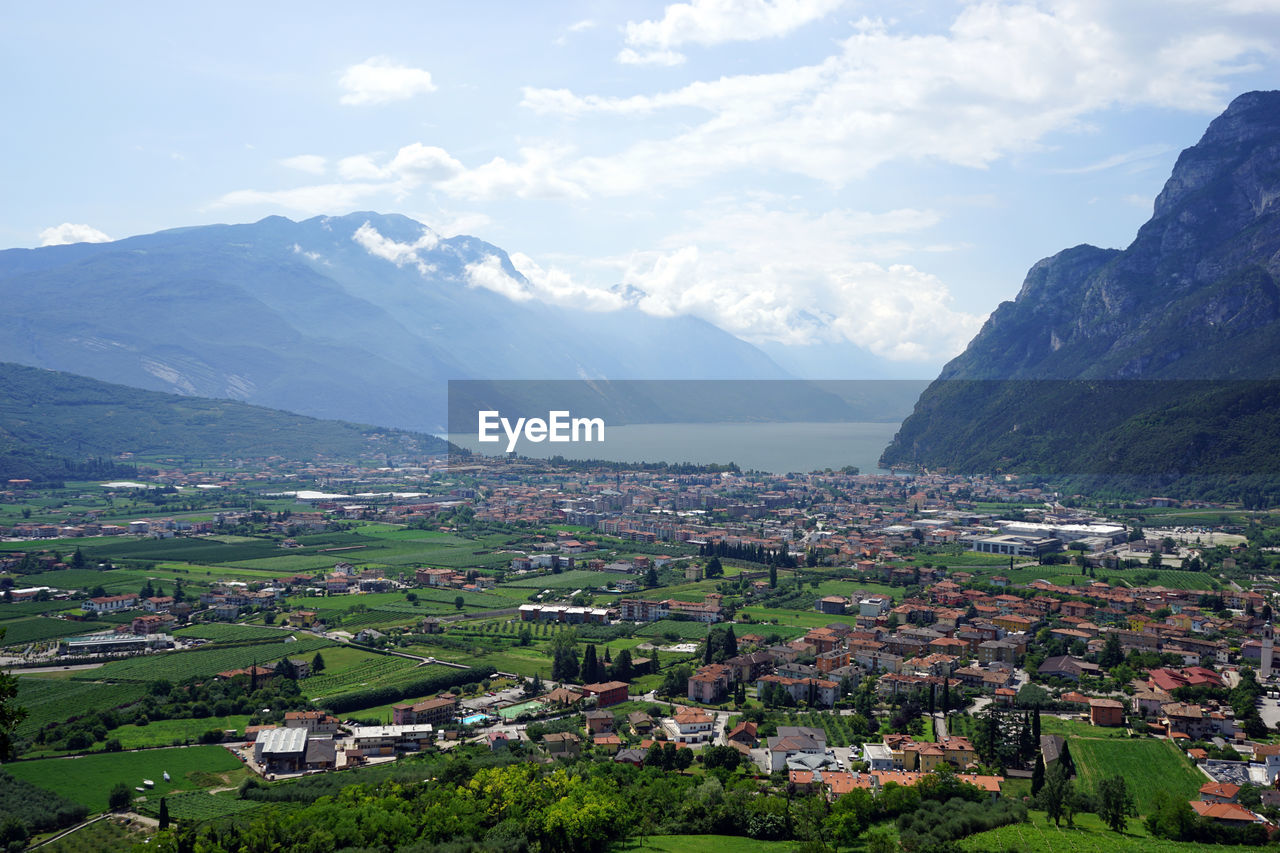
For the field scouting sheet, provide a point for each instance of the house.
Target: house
(607, 693)
(438, 711)
(599, 722)
(640, 722)
(744, 733)
(794, 740)
(565, 744)
(315, 722)
(634, 757)
(609, 743)
(831, 604)
(1068, 668)
(1227, 814)
(710, 684)
(497, 740)
(1106, 712)
(1219, 792)
(692, 725)
(110, 603)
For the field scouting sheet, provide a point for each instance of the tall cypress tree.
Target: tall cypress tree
(590, 668)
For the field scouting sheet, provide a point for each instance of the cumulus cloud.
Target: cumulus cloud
(997, 81)
(69, 232)
(378, 80)
(398, 253)
(312, 164)
(796, 277)
(490, 275)
(710, 22)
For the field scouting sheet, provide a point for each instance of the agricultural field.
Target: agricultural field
(175, 732)
(794, 622)
(34, 629)
(1053, 725)
(110, 834)
(20, 609)
(49, 701)
(668, 629)
(178, 666)
(575, 579)
(221, 632)
(1089, 835)
(1148, 766)
(200, 806)
(89, 778)
(372, 671)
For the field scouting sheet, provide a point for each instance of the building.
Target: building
(439, 711)
(566, 744)
(692, 725)
(599, 722)
(831, 604)
(315, 722)
(1106, 712)
(281, 750)
(388, 740)
(607, 693)
(110, 603)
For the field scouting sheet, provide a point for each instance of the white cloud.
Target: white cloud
(312, 164)
(378, 80)
(710, 22)
(538, 174)
(490, 275)
(628, 56)
(580, 26)
(996, 82)
(398, 253)
(557, 286)
(69, 232)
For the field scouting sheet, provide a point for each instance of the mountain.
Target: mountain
(363, 317)
(1158, 361)
(57, 426)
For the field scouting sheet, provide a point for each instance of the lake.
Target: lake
(778, 448)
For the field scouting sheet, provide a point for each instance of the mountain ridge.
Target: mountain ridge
(1193, 299)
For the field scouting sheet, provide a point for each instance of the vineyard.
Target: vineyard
(221, 632)
(53, 700)
(198, 806)
(672, 629)
(33, 629)
(201, 663)
(376, 672)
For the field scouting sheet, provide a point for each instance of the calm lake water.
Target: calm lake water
(778, 448)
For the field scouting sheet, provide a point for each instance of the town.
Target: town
(815, 635)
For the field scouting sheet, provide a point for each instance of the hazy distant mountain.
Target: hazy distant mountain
(1178, 326)
(58, 426)
(362, 317)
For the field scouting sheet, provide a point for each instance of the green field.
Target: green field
(96, 837)
(89, 778)
(167, 732)
(33, 629)
(50, 700)
(1147, 765)
(1090, 835)
(1051, 725)
(200, 806)
(179, 666)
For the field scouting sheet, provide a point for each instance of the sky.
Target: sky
(818, 177)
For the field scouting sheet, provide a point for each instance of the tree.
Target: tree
(1115, 802)
(730, 643)
(684, 758)
(1037, 775)
(622, 668)
(286, 669)
(317, 663)
(119, 798)
(773, 577)
(590, 666)
(714, 569)
(651, 577)
(1055, 794)
(1171, 817)
(10, 714)
(458, 601)
(164, 813)
(1112, 654)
